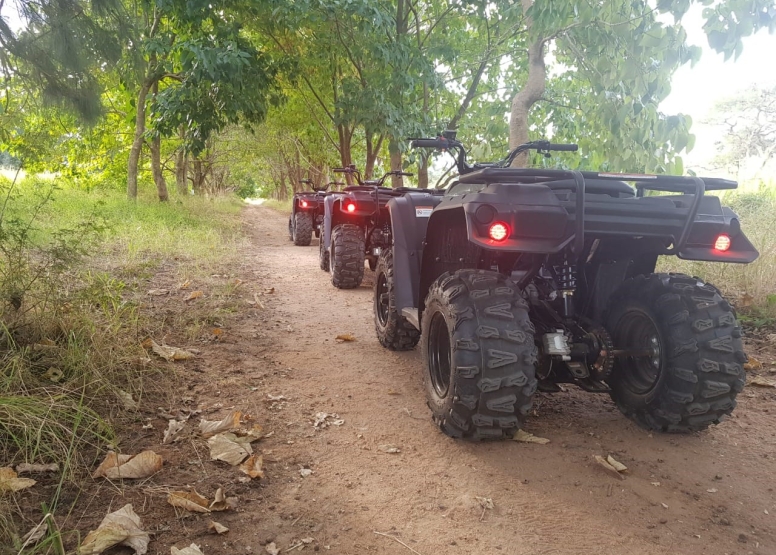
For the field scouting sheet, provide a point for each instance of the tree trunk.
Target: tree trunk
(156, 160)
(393, 150)
(345, 139)
(530, 94)
(423, 171)
(181, 168)
(372, 151)
(137, 142)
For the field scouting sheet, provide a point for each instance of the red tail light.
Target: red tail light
(498, 231)
(722, 243)
(304, 204)
(350, 207)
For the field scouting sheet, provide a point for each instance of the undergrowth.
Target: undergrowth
(71, 362)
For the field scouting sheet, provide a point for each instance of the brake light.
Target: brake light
(304, 204)
(498, 231)
(722, 243)
(350, 207)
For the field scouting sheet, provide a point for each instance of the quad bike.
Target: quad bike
(356, 226)
(526, 278)
(307, 213)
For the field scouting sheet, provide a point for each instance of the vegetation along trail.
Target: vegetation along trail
(386, 480)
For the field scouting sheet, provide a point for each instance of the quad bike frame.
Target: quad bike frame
(525, 278)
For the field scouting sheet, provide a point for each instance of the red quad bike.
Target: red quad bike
(526, 278)
(356, 226)
(307, 213)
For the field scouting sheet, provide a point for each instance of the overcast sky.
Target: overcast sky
(695, 90)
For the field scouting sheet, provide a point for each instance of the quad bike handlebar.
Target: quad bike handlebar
(449, 143)
(351, 170)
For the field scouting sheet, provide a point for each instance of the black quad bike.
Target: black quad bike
(356, 226)
(307, 213)
(526, 278)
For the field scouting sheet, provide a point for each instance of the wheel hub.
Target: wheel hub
(439, 355)
(382, 299)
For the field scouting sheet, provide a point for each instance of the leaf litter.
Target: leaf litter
(527, 437)
(9, 481)
(132, 467)
(167, 352)
(122, 527)
(325, 419)
(173, 431)
(217, 528)
(26, 468)
(252, 467)
(611, 465)
(189, 501)
(209, 428)
(193, 549)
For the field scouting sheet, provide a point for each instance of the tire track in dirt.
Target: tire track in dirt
(548, 499)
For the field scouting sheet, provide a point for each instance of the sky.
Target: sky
(695, 90)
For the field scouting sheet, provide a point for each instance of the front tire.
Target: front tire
(694, 369)
(479, 353)
(303, 229)
(393, 330)
(346, 261)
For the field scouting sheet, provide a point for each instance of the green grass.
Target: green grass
(74, 265)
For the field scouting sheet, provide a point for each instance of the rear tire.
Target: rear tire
(346, 261)
(323, 255)
(478, 347)
(393, 330)
(697, 370)
(303, 229)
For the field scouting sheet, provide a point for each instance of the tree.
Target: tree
(620, 58)
(203, 74)
(749, 121)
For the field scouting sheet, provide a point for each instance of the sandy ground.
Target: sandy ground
(709, 493)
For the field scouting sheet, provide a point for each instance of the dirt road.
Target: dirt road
(709, 493)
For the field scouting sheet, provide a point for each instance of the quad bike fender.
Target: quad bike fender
(410, 215)
(327, 225)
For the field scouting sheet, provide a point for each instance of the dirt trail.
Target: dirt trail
(709, 493)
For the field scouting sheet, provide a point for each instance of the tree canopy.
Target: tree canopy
(316, 83)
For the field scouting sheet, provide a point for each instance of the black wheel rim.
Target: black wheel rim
(439, 355)
(382, 299)
(638, 332)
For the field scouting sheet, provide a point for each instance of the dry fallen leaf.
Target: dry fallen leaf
(761, 381)
(271, 548)
(119, 528)
(217, 528)
(269, 291)
(745, 300)
(158, 292)
(137, 466)
(526, 437)
(229, 448)
(193, 549)
(36, 534)
(126, 400)
(345, 337)
(185, 284)
(752, 364)
(209, 428)
(217, 332)
(305, 472)
(220, 503)
(54, 375)
(254, 433)
(608, 467)
(188, 500)
(10, 482)
(618, 466)
(252, 467)
(387, 448)
(193, 295)
(172, 433)
(167, 352)
(26, 468)
(712, 490)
